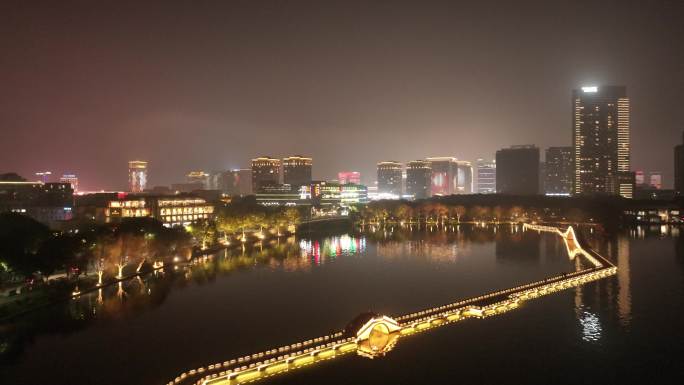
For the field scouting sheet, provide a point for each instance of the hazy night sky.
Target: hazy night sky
(87, 87)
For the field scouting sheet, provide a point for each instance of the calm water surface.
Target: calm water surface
(624, 328)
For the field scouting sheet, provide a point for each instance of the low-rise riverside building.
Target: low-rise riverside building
(171, 210)
(326, 193)
(283, 195)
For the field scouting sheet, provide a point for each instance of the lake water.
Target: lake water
(625, 328)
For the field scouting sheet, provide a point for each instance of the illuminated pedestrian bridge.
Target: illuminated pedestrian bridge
(373, 335)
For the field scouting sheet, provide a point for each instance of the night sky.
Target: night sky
(85, 87)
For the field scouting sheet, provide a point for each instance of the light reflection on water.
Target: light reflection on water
(603, 311)
(591, 326)
(331, 247)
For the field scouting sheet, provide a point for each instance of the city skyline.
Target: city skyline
(215, 106)
(287, 183)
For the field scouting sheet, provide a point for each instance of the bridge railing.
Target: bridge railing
(252, 366)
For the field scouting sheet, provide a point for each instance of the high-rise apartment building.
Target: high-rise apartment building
(444, 175)
(137, 176)
(346, 177)
(517, 170)
(265, 171)
(464, 178)
(72, 179)
(558, 171)
(297, 171)
(418, 179)
(389, 178)
(486, 177)
(601, 141)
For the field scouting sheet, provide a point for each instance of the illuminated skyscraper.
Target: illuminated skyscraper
(558, 171)
(464, 178)
(345, 177)
(418, 179)
(486, 177)
(137, 176)
(444, 175)
(517, 170)
(389, 178)
(297, 171)
(601, 141)
(71, 179)
(265, 171)
(679, 168)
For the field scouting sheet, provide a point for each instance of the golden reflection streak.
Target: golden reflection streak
(281, 360)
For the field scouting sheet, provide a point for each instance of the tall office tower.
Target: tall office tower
(679, 167)
(601, 141)
(389, 178)
(137, 176)
(71, 179)
(464, 178)
(486, 177)
(418, 179)
(297, 171)
(517, 170)
(265, 171)
(345, 177)
(558, 173)
(198, 178)
(444, 175)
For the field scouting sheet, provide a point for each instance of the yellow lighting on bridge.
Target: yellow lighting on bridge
(380, 334)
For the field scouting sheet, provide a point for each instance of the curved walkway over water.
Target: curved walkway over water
(379, 334)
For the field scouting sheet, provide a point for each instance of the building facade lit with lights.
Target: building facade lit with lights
(318, 193)
(601, 141)
(265, 171)
(486, 177)
(137, 176)
(444, 175)
(297, 170)
(326, 193)
(171, 210)
(198, 177)
(558, 171)
(389, 178)
(71, 179)
(517, 170)
(418, 179)
(345, 177)
(274, 195)
(180, 210)
(464, 177)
